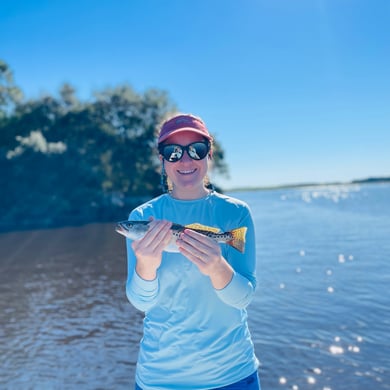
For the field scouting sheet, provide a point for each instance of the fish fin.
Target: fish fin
(238, 239)
(198, 226)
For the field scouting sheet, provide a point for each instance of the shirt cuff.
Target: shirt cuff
(145, 288)
(238, 292)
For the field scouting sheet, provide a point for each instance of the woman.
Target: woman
(195, 328)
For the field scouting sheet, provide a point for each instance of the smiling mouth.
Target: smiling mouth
(187, 172)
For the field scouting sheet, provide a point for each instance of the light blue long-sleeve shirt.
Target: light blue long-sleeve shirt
(195, 337)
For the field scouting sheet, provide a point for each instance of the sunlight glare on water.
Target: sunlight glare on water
(329, 289)
(319, 319)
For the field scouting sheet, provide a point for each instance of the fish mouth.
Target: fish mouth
(187, 172)
(120, 229)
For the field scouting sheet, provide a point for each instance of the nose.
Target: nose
(186, 156)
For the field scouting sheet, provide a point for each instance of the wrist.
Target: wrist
(146, 273)
(222, 276)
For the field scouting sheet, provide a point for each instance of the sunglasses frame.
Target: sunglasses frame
(185, 148)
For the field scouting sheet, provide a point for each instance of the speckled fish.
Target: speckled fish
(137, 229)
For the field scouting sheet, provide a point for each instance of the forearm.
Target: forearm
(221, 275)
(142, 286)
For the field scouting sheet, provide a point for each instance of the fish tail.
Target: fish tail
(238, 239)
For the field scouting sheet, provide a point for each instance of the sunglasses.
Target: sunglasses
(174, 152)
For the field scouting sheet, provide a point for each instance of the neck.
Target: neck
(189, 194)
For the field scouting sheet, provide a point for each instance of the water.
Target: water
(320, 318)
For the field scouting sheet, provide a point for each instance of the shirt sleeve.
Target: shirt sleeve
(238, 293)
(141, 293)
(241, 289)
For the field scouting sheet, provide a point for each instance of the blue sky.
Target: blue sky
(294, 90)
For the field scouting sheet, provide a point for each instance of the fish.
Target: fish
(137, 229)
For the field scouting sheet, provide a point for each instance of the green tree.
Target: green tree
(10, 94)
(66, 161)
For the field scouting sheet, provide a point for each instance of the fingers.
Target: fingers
(198, 241)
(158, 232)
(204, 252)
(198, 246)
(157, 236)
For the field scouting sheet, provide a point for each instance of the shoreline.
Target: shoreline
(371, 180)
(111, 216)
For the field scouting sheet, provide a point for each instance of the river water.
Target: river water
(320, 318)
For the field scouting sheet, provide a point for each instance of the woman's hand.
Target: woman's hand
(148, 249)
(206, 254)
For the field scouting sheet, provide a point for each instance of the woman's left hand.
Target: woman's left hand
(206, 254)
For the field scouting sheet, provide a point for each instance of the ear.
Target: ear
(210, 154)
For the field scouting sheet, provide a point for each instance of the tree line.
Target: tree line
(66, 161)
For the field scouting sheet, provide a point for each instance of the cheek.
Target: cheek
(169, 169)
(204, 166)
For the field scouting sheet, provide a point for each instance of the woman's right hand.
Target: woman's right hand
(148, 249)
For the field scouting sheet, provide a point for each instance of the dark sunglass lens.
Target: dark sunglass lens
(198, 150)
(172, 153)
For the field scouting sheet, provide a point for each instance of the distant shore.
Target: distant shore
(370, 180)
(42, 218)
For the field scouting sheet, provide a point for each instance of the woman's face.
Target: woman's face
(186, 175)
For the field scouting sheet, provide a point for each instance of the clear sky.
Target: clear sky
(294, 90)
